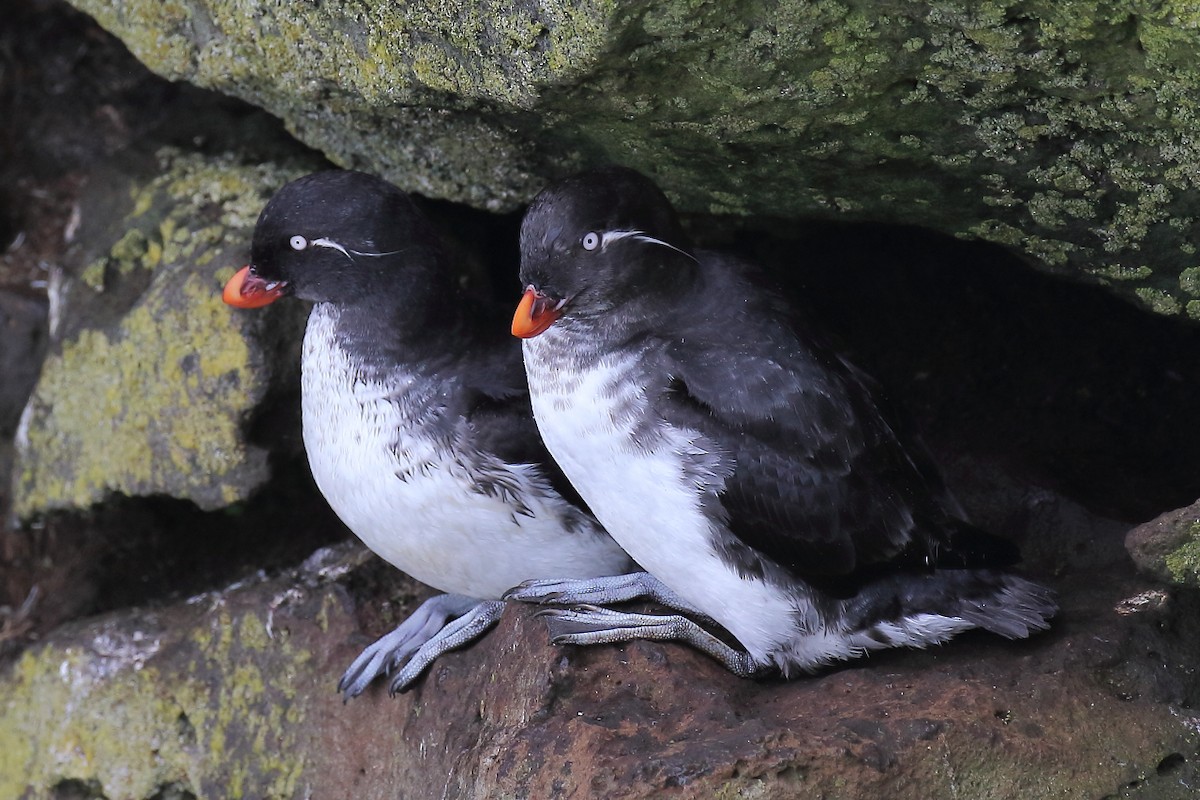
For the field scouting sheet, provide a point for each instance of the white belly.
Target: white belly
(639, 492)
(415, 504)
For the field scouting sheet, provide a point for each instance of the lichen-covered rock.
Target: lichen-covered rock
(201, 698)
(1168, 547)
(153, 379)
(232, 695)
(1064, 130)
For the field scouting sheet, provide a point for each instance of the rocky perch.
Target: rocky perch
(231, 695)
(159, 501)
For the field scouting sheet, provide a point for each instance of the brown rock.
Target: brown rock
(232, 695)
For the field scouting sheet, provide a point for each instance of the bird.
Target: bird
(415, 415)
(734, 454)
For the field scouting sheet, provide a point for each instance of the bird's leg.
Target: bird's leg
(425, 635)
(464, 630)
(593, 625)
(601, 591)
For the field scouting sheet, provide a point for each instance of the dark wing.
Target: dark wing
(821, 482)
(492, 398)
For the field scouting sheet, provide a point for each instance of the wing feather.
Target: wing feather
(821, 482)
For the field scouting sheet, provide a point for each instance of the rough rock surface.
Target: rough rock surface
(231, 695)
(153, 379)
(1063, 130)
(1168, 547)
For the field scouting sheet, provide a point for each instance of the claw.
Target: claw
(421, 638)
(462, 631)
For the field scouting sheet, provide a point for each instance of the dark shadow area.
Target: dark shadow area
(176, 551)
(1067, 384)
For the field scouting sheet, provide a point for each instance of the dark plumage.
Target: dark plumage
(763, 484)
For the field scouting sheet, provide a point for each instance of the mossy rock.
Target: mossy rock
(1063, 130)
(195, 700)
(1168, 547)
(150, 386)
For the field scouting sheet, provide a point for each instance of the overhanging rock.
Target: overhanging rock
(1064, 131)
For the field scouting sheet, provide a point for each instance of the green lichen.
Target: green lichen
(130, 248)
(1071, 122)
(105, 712)
(132, 406)
(1189, 281)
(1183, 563)
(420, 71)
(154, 403)
(92, 275)
(260, 714)
(1117, 272)
(1158, 300)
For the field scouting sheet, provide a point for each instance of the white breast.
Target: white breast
(415, 503)
(639, 491)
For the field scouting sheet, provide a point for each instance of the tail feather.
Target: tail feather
(996, 601)
(919, 610)
(1016, 609)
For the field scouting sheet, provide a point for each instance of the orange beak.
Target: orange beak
(535, 314)
(250, 291)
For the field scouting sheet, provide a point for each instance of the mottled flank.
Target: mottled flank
(1063, 130)
(153, 401)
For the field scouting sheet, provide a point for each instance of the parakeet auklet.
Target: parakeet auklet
(742, 465)
(415, 414)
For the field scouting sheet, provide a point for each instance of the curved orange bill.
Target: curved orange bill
(250, 291)
(535, 314)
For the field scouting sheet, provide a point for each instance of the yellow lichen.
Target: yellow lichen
(105, 712)
(155, 403)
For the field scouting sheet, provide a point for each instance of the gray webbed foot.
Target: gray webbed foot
(601, 592)
(586, 625)
(460, 632)
(440, 624)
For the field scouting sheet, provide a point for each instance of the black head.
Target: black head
(335, 237)
(597, 241)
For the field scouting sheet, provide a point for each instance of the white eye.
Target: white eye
(591, 240)
(298, 242)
